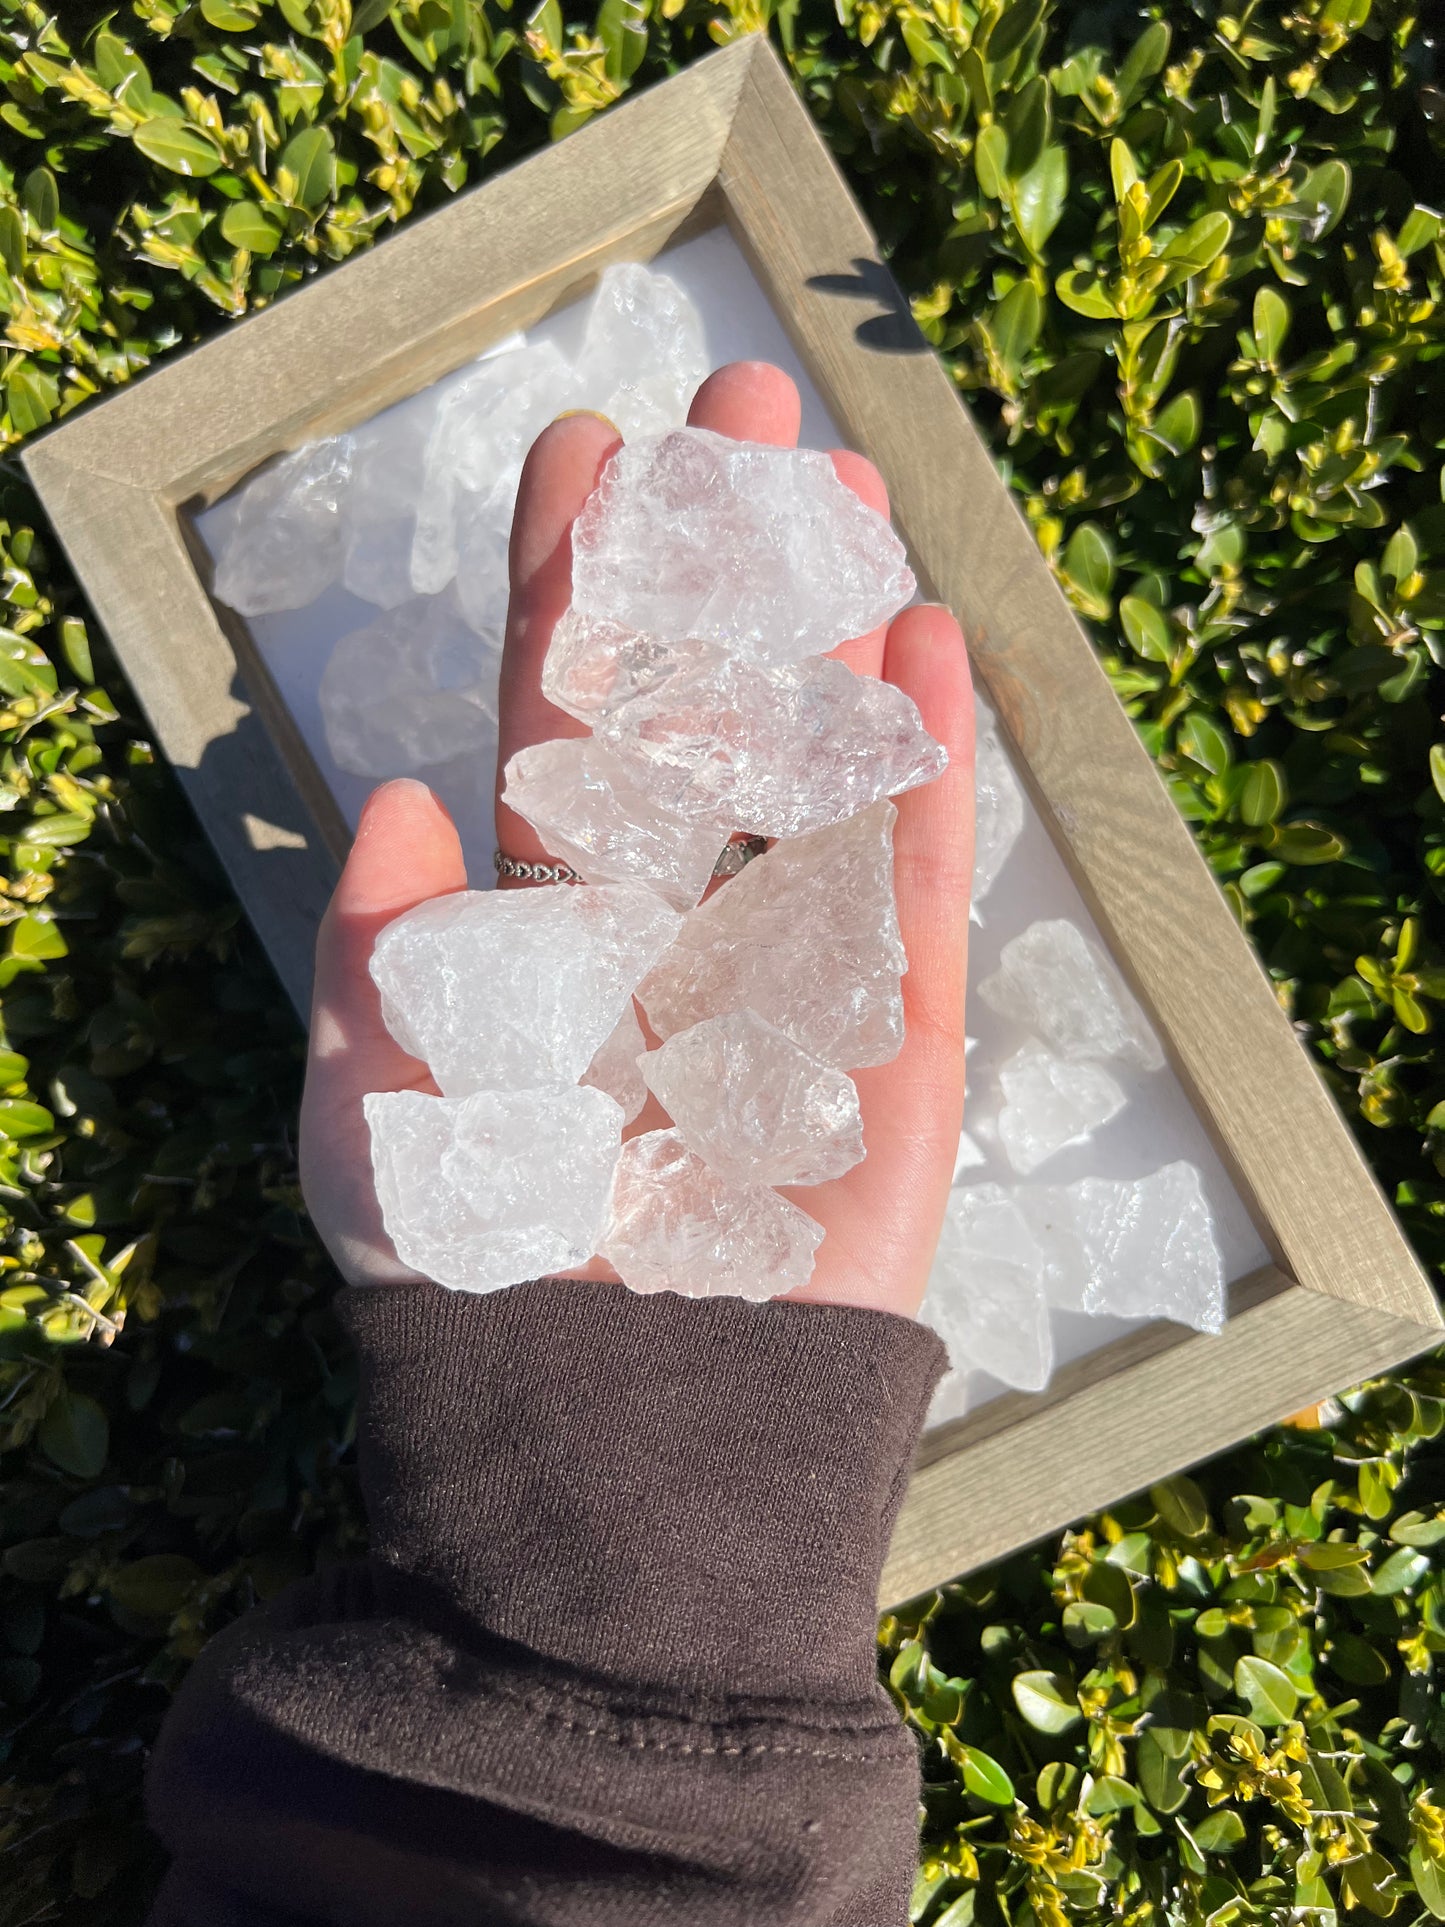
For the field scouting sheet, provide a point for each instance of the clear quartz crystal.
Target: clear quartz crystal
(286, 541)
(481, 434)
(758, 548)
(774, 752)
(999, 813)
(414, 688)
(644, 352)
(1057, 983)
(488, 1190)
(615, 1068)
(592, 811)
(511, 990)
(674, 1225)
(985, 1294)
(1134, 1247)
(756, 1107)
(593, 666)
(1049, 1103)
(806, 936)
(390, 452)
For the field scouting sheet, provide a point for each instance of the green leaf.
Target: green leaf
(12, 240)
(1200, 242)
(1083, 291)
(1012, 29)
(985, 1778)
(1326, 190)
(246, 224)
(40, 198)
(1422, 226)
(1305, 843)
(1220, 1832)
(1016, 323)
(1089, 564)
(21, 1118)
(1047, 1701)
(1144, 59)
(1271, 323)
(233, 16)
(1181, 1505)
(1429, 1879)
(36, 939)
(179, 146)
(990, 160)
(1037, 199)
(1270, 1695)
(310, 157)
(1147, 628)
(1204, 742)
(1262, 793)
(1178, 424)
(75, 1434)
(155, 1587)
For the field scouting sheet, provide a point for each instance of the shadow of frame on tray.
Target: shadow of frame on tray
(728, 141)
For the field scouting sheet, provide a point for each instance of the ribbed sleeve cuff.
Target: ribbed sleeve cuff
(695, 1496)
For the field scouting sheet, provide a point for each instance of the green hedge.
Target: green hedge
(1186, 263)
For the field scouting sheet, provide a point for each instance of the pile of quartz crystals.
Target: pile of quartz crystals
(710, 577)
(709, 580)
(1138, 1248)
(412, 512)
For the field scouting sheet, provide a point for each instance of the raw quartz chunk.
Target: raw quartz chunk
(1134, 1248)
(484, 1191)
(418, 686)
(1049, 1103)
(474, 456)
(999, 813)
(644, 352)
(755, 1106)
(513, 990)
(985, 1294)
(390, 453)
(774, 752)
(674, 1225)
(1057, 983)
(760, 549)
(592, 667)
(615, 1068)
(592, 810)
(285, 544)
(806, 936)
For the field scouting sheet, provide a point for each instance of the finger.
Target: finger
(750, 400)
(882, 1219)
(864, 655)
(559, 474)
(406, 850)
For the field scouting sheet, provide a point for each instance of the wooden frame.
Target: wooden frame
(728, 141)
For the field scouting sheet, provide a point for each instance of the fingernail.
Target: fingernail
(595, 413)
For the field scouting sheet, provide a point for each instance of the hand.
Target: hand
(881, 1220)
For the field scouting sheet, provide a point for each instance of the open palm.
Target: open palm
(881, 1220)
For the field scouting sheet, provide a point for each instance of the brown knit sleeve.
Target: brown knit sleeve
(611, 1657)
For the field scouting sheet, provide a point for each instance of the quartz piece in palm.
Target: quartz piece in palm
(675, 1225)
(1060, 985)
(806, 936)
(756, 1107)
(511, 990)
(593, 811)
(285, 544)
(593, 666)
(644, 352)
(774, 752)
(985, 1294)
(998, 813)
(1135, 1247)
(758, 548)
(416, 687)
(1050, 1103)
(488, 1190)
(484, 426)
(615, 1067)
